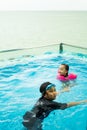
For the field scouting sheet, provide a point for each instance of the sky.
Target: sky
(43, 5)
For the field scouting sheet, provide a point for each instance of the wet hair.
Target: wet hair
(43, 87)
(66, 67)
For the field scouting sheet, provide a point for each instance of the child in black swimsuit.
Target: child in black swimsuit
(33, 119)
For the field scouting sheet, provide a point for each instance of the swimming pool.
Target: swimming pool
(20, 79)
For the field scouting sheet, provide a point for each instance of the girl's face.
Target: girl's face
(62, 70)
(51, 93)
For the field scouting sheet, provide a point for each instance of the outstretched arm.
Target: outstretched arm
(76, 103)
(67, 89)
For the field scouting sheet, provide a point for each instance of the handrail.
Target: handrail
(19, 49)
(61, 48)
(74, 46)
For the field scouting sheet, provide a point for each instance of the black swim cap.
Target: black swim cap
(44, 87)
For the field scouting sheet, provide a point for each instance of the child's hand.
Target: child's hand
(66, 89)
(84, 101)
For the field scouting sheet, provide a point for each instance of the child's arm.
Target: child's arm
(76, 103)
(67, 89)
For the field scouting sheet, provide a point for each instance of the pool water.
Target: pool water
(20, 79)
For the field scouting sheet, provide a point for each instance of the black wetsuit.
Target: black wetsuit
(33, 118)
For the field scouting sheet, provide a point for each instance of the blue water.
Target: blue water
(19, 90)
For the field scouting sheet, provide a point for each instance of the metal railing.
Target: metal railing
(38, 50)
(62, 47)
